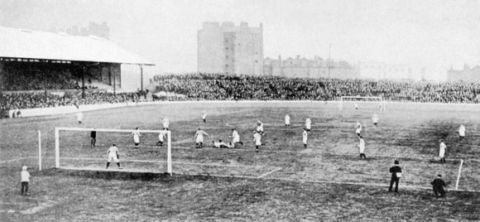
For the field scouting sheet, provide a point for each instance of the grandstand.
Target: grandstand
(42, 69)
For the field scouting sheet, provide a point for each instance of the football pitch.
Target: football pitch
(282, 181)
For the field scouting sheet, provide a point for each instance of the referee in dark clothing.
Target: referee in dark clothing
(93, 138)
(438, 186)
(396, 172)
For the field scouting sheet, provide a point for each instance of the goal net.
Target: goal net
(357, 102)
(75, 149)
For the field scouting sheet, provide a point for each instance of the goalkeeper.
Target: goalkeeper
(113, 156)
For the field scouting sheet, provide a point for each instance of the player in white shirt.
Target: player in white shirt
(136, 137)
(24, 179)
(166, 123)
(259, 128)
(358, 129)
(220, 144)
(204, 117)
(442, 150)
(308, 124)
(79, 117)
(356, 106)
(236, 138)
(287, 120)
(461, 131)
(161, 137)
(257, 138)
(113, 155)
(305, 138)
(199, 136)
(375, 119)
(361, 147)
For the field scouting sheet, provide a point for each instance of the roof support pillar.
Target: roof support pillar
(83, 82)
(1, 80)
(141, 77)
(114, 80)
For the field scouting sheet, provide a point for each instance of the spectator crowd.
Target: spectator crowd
(244, 87)
(14, 101)
(221, 87)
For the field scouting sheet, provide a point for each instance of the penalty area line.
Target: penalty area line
(17, 159)
(270, 172)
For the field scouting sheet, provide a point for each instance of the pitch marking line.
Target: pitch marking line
(268, 173)
(406, 187)
(174, 162)
(40, 207)
(13, 160)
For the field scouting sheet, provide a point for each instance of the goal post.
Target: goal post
(375, 99)
(121, 137)
(457, 182)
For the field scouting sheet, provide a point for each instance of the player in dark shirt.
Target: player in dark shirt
(396, 172)
(438, 186)
(93, 138)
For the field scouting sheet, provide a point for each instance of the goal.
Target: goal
(355, 100)
(74, 149)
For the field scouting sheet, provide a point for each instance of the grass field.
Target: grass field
(283, 180)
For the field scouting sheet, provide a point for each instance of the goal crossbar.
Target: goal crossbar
(378, 99)
(78, 129)
(361, 97)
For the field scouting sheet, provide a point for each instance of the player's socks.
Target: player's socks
(108, 164)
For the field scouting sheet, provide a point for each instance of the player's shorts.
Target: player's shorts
(199, 140)
(113, 157)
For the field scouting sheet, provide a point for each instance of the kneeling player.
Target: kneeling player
(199, 134)
(113, 155)
(236, 138)
(220, 144)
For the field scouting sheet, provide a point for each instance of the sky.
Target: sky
(436, 34)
